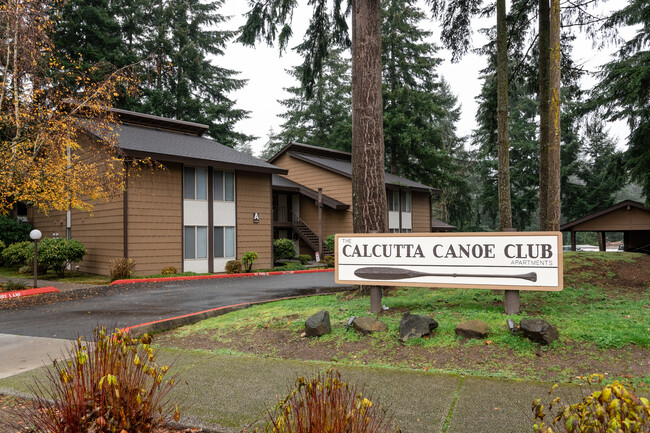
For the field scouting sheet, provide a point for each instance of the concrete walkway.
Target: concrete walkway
(224, 393)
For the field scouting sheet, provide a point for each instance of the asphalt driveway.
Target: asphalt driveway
(68, 315)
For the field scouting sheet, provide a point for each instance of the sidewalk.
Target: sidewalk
(226, 393)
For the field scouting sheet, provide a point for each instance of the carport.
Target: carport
(630, 217)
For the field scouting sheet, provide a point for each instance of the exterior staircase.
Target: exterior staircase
(309, 236)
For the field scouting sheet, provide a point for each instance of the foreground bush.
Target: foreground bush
(169, 270)
(283, 249)
(121, 268)
(614, 409)
(112, 384)
(326, 404)
(59, 253)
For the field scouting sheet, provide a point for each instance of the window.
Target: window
(195, 183)
(393, 200)
(224, 185)
(406, 201)
(224, 242)
(196, 242)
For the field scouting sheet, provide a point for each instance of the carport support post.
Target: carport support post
(320, 223)
(512, 301)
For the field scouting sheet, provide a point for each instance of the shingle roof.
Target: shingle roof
(173, 146)
(344, 167)
(284, 184)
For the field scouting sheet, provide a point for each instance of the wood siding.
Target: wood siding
(100, 230)
(334, 185)
(334, 221)
(421, 213)
(619, 220)
(155, 219)
(254, 196)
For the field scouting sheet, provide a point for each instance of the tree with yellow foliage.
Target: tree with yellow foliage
(41, 119)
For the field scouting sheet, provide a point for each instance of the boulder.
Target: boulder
(318, 324)
(472, 329)
(414, 326)
(538, 330)
(367, 325)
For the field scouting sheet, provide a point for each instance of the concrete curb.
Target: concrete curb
(27, 292)
(187, 319)
(219, 276)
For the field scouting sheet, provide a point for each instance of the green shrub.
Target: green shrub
(304, 258)
(20, 253)
(327, 404)
(59, 253)
(169, 270)
(233, 267)
(283, 249)
(615, 408)
(13, 231)
(121, 268)
(329, 242)
(328, 261)
(111, 384)
(247, 260)
(13, 286)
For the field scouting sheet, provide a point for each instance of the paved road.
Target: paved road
(79, 312)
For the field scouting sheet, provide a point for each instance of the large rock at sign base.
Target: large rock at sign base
(538, 330)
(318, 324)
(472, 329)
(367, 325)
(413, 326)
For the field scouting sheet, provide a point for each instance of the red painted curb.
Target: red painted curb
(129, 328)
(217, 276)
(28, 292)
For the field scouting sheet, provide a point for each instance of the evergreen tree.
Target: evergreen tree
(599, 174)
(174, 40)
(325, 118)
(624, 89)
(186, 84)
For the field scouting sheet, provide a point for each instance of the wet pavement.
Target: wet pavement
(72, 313)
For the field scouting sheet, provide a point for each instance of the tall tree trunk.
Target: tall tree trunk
(544, 110)
(553, 212)
(505, 208)
(368, 181)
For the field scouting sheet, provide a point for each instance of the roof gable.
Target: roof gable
(339, 162)
(626, 215)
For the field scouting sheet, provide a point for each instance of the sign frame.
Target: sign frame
(492, 286)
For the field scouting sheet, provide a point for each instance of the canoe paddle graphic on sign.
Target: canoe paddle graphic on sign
(508, 260)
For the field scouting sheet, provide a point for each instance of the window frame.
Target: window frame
(195, 242)
(225, 194)
(195, 186)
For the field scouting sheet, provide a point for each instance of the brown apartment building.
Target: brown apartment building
(295, 210)
(209, 204)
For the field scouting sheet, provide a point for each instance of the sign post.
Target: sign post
(510, 261)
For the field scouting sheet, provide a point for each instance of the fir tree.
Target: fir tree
(325, 118)
(624, 89)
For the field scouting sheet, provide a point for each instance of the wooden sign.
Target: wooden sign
(501, 260)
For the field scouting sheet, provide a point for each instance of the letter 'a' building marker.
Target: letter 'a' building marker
(503, 260)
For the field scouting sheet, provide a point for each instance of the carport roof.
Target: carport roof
(283, 184)
(624, 216)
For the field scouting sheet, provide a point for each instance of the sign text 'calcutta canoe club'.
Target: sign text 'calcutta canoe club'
(530, 260)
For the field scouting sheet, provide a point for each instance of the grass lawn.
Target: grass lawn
(70, 276)
(603, 316)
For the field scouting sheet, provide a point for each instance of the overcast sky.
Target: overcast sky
(264, 69)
